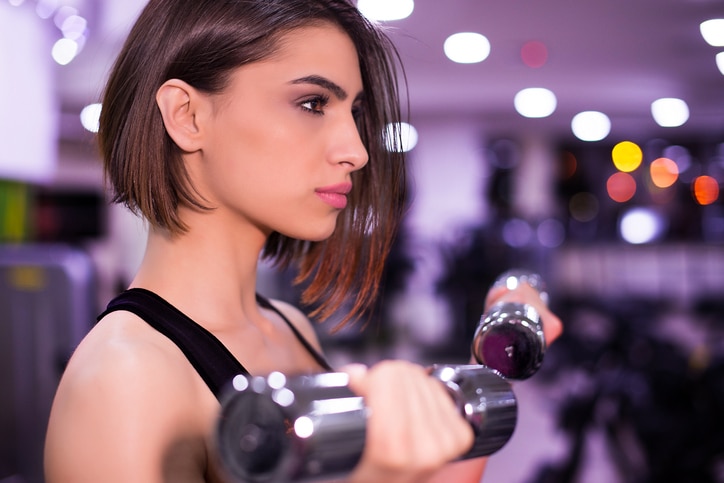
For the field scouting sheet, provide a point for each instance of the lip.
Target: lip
(334, 195)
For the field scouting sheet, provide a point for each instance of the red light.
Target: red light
(534, 54)
(621, 187)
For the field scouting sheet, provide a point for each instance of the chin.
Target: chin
(312, 233)
(319, 236)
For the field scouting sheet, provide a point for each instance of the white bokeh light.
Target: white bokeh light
(641, 225)
(713, 31)
(670, 112)
(386, 10)
(535, 102)
(64, 51)
(408, 137)
(591, 126)
(90, 116)
(720, 62)
(467, 47)
(304, 427)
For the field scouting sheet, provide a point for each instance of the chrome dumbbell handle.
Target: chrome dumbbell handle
(313, 427)
(509, 337)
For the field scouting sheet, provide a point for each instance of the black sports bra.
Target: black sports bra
(211, 359)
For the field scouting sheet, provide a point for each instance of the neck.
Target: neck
(209, 272)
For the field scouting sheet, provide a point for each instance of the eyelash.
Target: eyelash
(321, 101)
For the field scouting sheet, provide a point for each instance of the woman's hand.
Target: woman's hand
(525, 294)
(413, 428)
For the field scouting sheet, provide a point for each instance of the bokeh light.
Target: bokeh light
(713, 31)
(386, 10)
(583, 207)
(45, 8)
(534, 54)
(551, 233)
(535, 102)
(517, 233)
(569, 166)
(403, 133)
(621, 187)
(641, 225)
(467, 47)
(90, 117)
(591, 126)
(627, 156)
(705, 190)
(64, 51)
(670, 112)
(664, 172)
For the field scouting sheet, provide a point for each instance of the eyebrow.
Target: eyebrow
(325, 83)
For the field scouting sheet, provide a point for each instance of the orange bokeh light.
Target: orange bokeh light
(664, 172)
(705, 190)
(621, 187)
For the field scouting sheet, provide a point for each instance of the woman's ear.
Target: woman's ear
(180, 105)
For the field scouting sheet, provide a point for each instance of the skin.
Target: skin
(130, 407)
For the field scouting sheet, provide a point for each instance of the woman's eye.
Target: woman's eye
(315, 105)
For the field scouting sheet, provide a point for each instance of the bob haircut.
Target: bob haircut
(202, 42)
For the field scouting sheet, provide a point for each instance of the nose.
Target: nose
(348, 148)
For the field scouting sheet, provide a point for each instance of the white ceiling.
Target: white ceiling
(616, 56)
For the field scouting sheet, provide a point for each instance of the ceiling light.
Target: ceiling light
(384, 10)
(63, 13)
(90, 117)
(45, 8)
(64, 50)
(591, 125)
(669, 112)
(535, 102)
(467, 47)
(720, 62)
(74, 27)
(713, 31)
(402, 133)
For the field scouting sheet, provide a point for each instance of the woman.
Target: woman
(240, 128)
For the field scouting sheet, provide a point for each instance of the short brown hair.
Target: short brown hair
(201, 42)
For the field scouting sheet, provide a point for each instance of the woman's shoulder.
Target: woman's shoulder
(122, 361)
(123, 343)
(125, 392)
(299, 320)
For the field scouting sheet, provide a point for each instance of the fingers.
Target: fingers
(413, 427)
(525, 294)
(356, 374)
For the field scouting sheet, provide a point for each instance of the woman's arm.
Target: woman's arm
(121, 413)
(414, 430)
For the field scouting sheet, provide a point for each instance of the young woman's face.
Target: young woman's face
(282, 140)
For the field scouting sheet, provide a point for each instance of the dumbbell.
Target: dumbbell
(278, 429)
(509, 337)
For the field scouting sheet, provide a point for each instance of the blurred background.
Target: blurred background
(582, 140)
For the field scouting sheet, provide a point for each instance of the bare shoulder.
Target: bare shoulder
(299, 320)
(125, 408)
